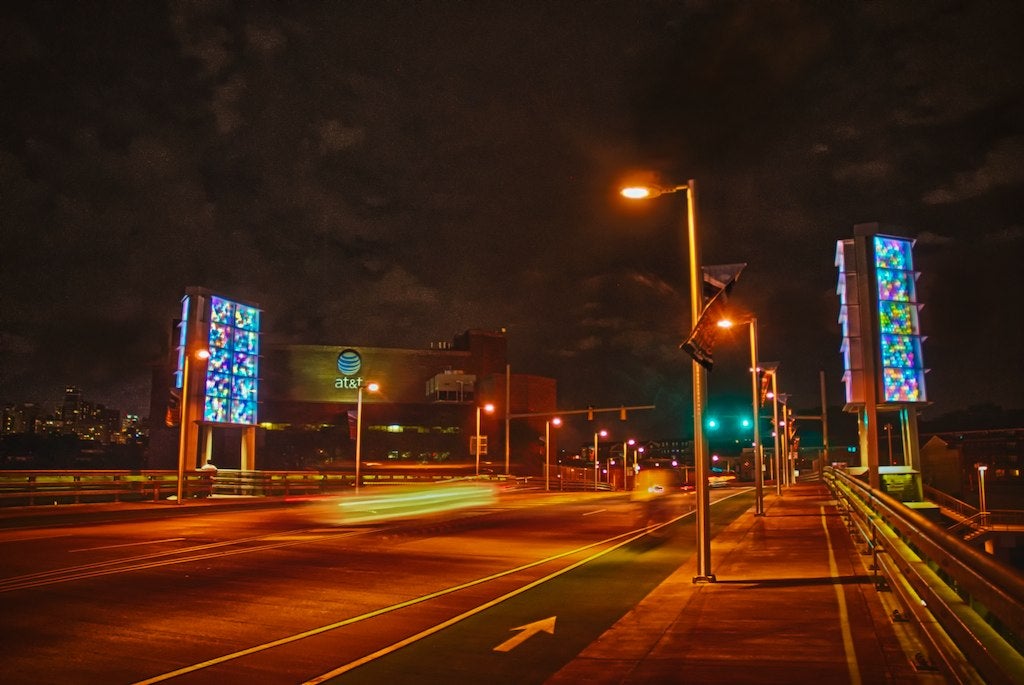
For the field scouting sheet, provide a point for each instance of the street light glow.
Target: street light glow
(647, 192)
(636, 193)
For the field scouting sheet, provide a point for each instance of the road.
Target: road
(504, 591)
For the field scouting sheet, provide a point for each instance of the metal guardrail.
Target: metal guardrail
(30, 488)
(947, 502)
(969, 607)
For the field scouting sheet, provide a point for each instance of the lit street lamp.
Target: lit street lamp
(489, 408)
(371, 387)
(184, 444)
(982, 505)
(755, 397)
(625, 461)
(773, 369)
(597, 463)
(700, 446)
(787, 415)
(547, 450)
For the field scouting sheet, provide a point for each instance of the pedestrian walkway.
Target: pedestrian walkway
(794, 602)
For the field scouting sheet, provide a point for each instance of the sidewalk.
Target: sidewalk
(794, 602)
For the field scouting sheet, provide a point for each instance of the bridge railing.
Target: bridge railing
(957, 507)
(969, 607)
(29, 488)
(32, 488)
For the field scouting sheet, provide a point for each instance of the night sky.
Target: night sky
(392, 173)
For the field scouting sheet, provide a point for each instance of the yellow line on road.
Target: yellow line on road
(383, 610)
(844, 616)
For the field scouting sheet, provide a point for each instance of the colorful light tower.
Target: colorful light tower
(882, 359)
(217, 374)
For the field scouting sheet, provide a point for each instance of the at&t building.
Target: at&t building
(250, 404)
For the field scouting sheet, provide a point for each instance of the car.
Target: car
(721, 479)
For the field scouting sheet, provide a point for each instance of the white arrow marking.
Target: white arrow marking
(545, 625)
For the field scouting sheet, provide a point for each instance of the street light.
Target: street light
(982, 505)
(489, 408)
(547, 450)
(200, 355)
(371, 387)
(756, 401)
(773, 369)
(597, 466)
(888, 433)
(700, 446)
(625, 461)
(787, 416)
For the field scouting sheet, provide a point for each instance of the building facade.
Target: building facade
(422, 407)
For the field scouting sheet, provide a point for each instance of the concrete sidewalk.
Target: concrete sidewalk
(794, 602)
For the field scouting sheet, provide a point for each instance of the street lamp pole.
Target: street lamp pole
(982, 504)
(756, 404)
(372, 387)
(776, 446)
(787, 470)
(547, 450)
(702, 466)
(597, 462)
(888, 433)
(487, 408)
(184, 443)
(625, 462)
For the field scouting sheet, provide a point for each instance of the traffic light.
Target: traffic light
(590, 413)
(622, 413)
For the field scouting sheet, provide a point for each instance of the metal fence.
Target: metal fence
(32, 488)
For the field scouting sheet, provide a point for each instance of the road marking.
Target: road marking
(624, 539)
(545, 625)
(127, 544)
(401, 605)
(591, 513)
(844, 618)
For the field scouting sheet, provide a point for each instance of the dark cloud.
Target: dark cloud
(387, 173)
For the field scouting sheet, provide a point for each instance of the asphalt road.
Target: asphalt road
(501, 591)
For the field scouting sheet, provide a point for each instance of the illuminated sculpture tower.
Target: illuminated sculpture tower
(217, 374)
(882, 360)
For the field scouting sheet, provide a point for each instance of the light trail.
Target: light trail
(166, 558)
